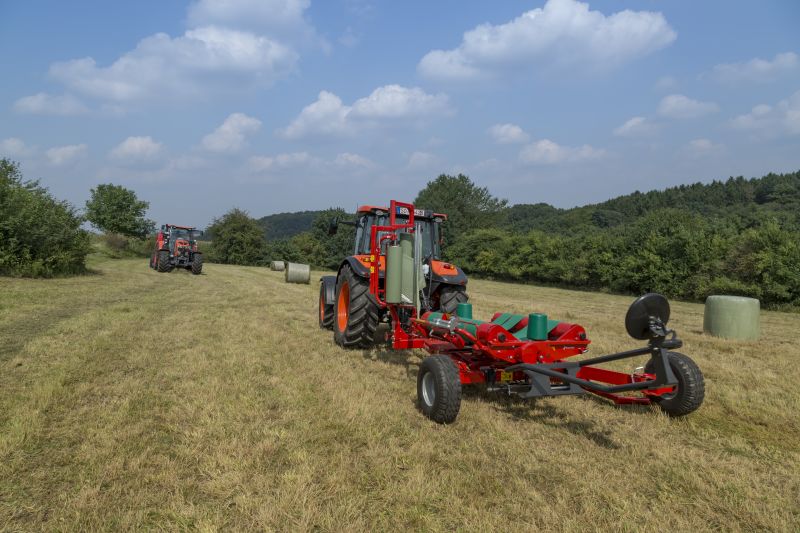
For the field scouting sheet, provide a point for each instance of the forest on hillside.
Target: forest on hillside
(738, 236)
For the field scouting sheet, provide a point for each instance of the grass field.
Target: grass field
(136, 400)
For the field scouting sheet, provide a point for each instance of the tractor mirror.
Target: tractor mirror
(333, 226)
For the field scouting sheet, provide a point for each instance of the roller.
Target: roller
(298, 273)
(278, 266)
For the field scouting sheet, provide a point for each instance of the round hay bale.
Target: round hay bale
(277, 265)
(297, 273)
(732, 317)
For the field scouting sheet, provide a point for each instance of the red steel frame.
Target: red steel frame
(492, 347)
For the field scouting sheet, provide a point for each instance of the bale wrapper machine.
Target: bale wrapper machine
(524, 355)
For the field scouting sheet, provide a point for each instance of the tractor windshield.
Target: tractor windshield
(428, 230)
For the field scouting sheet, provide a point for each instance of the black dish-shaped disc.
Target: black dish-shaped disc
(642, 311)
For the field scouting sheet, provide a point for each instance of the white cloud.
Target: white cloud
(757, 70)
(771, 121)
(280, 161)
(346, 159)
(635, 127)
(508, 134)
(680, 106)
(229, 45)
(203, 58)
(136, 148)
(703, 147)
(61, 155)
(271, 16)
(231, 136)
(14, 147)
(563, 33)
(328, 115)
(395, 101)
(546, 152)
(47, 104)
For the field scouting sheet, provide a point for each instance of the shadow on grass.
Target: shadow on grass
(548, 415)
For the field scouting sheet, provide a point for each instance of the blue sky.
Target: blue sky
(285, 105)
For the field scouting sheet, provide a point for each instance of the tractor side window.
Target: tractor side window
(363, 231)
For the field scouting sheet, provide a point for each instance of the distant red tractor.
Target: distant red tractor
(176, 247)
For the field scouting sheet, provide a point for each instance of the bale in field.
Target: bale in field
(297, 273)
(278, 266)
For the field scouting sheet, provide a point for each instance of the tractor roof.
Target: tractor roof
(180, 227)
(418, 213)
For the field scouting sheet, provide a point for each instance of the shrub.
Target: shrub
(39, 235)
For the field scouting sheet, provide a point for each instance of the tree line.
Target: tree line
(740, 236)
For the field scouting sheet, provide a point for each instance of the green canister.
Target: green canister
(464, 310)
(537, 327)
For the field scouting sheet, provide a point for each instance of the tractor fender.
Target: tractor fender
(357, 267)
(459, 278)
(329, 288)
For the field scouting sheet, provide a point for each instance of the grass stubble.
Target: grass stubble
(136, 400)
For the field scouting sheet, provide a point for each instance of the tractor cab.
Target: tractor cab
(426, 223)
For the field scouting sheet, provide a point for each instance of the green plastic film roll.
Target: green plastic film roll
(537, 327)
(394, 274)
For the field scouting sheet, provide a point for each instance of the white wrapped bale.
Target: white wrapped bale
(278, 266)
(732, 317)
(297, 273)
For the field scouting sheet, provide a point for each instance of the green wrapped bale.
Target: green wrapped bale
(277, 266)
(732, 317)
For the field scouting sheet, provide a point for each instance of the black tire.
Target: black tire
(450, 297)
(355, 317)
(325, 310)
(197, 264)
(691, 388)
(439, 389)
(162, 261)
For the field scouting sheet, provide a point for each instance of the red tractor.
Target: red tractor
(525, 355)
(176, 246)
(446, 284)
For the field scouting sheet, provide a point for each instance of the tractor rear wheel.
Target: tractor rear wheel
(690, 391)
(197, 264)
(325, 310)
(355, 317)
(450, 297)
(162, 261)
(439, 389)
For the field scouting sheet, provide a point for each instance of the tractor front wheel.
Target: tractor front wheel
(197, 264)
(690, 391)
(450, 297)
(355, 317)
(325, 310)
(439, 389)
(162, 261)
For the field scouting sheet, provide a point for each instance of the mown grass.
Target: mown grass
(136, 400)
